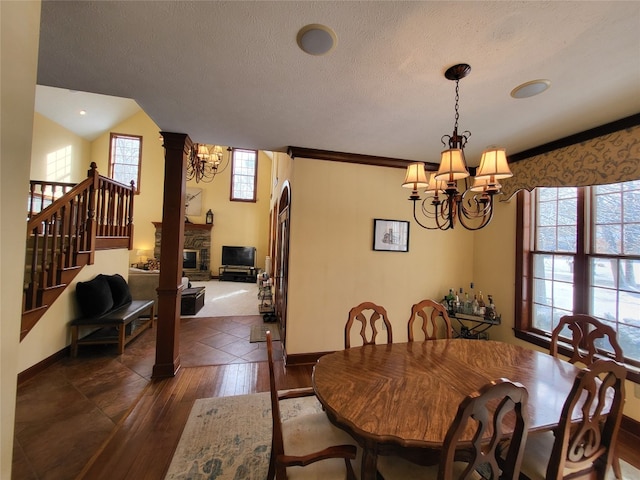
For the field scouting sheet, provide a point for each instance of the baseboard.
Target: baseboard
(630, 426)
(298, 359)
(32, 371)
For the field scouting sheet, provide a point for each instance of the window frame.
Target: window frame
(114, 136)
(233, 176)
(524, 281)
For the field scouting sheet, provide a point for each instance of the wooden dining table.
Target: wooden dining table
(400, 398)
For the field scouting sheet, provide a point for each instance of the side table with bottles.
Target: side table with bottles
(266, 306)
(474, 316)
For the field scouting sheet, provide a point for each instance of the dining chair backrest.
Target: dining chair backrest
(589, 444)
(371, 317)
(484, 411)
(585, 331)
(435, 320)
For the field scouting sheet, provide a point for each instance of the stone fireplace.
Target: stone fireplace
(197, 238)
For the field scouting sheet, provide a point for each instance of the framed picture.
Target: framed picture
(193, 201)
(390, 235)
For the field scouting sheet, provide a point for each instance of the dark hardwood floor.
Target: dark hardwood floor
(100, 416)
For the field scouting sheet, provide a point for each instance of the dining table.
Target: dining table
(400, 398)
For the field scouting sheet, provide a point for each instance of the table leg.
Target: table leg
(369, 464)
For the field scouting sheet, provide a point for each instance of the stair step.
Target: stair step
(30, 318)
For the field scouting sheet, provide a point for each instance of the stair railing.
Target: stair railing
(63, 236)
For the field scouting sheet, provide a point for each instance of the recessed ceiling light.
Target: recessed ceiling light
(529, 89)
(83, 112)
(316, 39)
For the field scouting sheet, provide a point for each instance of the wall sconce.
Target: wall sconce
(209, 217)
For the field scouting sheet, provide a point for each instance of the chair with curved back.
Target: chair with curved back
(308, 441)
(368, 314)
(585, 330)
(434, 320)
(584, 449)
(484, 413)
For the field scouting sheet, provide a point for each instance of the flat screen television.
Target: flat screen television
(238, 256)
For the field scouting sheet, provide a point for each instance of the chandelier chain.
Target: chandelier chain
(455, 127)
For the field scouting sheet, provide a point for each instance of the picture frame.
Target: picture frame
(193, 201)
(390, 235)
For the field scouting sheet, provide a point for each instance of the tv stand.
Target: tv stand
(230, 273)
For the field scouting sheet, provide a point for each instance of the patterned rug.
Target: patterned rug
(229, 438)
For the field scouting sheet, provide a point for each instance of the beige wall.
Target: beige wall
(20, 24)
(148, 204)
(237, 223)
(51, 141)
(333, 266)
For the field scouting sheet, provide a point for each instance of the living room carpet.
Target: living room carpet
(229, 438)
(259, 333)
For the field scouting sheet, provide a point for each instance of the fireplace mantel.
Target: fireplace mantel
(189, 226)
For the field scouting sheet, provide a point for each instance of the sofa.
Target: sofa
(143, 284)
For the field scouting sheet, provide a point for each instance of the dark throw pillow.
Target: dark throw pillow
(94, 297)
(119, 290)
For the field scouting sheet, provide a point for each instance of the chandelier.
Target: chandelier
(444, 204)
(206, 161)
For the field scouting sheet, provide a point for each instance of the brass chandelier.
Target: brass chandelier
(444, 204)
(206, 161)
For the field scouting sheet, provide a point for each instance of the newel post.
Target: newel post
(176, 147)
(91, 211)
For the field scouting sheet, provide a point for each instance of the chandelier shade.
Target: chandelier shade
(415, 177)
(444, 205)
(435, 185)
(493, 165)
(452, 166)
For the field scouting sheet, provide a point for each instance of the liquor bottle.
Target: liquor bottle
(450, 299)
(474, 306)
(467, 304)
(481, 305)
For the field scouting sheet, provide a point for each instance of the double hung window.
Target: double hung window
(581, 254)
(244, 171)
(125, 158)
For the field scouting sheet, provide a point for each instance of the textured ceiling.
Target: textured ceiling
(231, 73)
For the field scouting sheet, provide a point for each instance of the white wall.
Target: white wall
(20, 30)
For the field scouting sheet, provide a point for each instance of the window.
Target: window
(581, 255)
(244, 171)
(125, 158)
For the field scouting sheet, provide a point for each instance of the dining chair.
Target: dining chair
(585, 331)
(368, 314)
(483, 414)
(435, 320)
(306, 446)
(584, 449)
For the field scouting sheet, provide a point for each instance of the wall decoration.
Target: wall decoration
(390, 235)
(193, 201)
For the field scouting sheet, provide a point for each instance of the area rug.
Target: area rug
(229, 438)
(259, 333)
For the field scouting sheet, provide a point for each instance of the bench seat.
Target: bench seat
(118, 326)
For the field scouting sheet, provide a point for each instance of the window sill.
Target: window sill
(633, 373)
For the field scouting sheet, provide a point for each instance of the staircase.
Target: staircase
(67, 223)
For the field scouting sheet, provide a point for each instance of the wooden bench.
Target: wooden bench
(118, 326)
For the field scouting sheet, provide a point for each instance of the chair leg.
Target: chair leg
(272, 465)
(616, 466)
